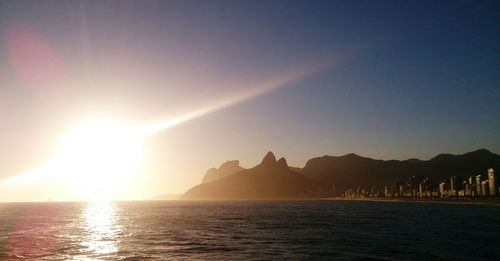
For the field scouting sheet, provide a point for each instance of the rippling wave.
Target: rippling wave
(270, 230)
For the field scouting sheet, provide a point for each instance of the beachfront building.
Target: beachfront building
(454, 187)
(442, 189)
(492, 182)
(478, 185)
(485, 188)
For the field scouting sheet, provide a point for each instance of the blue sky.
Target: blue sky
(414, 79)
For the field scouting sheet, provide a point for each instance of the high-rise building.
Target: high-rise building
(478, 185)
(468, 191)
(454, 187)
(484, 188)
(492, 181)
(442, 189)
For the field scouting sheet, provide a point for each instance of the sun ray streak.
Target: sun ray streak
(276, 83)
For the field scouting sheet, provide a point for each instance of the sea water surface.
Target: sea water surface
(246, 230)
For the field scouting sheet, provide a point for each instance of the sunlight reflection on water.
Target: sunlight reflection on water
(100, 223)
(247, 230)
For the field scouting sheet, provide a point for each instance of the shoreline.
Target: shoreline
(490, 202)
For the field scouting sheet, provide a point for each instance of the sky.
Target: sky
(382, 79)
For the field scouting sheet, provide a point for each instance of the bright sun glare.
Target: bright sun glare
(100, 159)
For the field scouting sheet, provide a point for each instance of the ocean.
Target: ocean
(249, 230)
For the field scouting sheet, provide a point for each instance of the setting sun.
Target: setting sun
(99, 159)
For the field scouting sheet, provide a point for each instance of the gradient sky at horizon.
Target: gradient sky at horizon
(411, 79)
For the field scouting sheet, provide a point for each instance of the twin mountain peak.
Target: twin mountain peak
(325, 176)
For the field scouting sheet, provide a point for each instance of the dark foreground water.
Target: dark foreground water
(246, 230)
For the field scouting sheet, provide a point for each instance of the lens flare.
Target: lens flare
(35, 62)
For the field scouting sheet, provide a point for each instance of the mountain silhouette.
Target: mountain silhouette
(351, 170)
(273, 179)
(226, 169)
(270, 179)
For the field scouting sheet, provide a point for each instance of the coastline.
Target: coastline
(490, 202)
